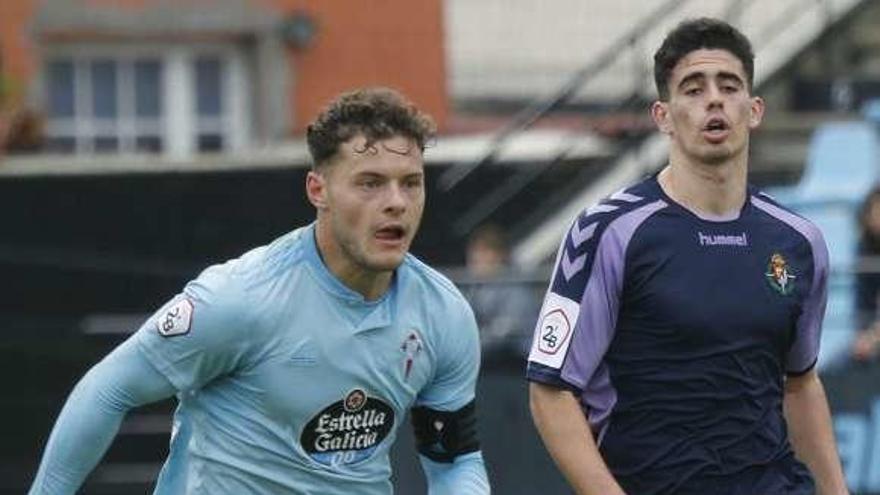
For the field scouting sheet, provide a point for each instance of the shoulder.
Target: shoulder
(427, 296)
(272, 260)
(418, 277)
(620, 212)
(607, 225)
(262, 264)
(777, 212)
(234, 282)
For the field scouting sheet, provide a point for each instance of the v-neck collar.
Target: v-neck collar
(376, 313)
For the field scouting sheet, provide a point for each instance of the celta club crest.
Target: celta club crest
(779, 275)
(411, 347)
(355, 400)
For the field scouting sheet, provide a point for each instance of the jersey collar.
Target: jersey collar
(378, 311)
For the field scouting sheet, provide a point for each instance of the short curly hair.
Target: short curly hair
(694, 34)
(376, 113)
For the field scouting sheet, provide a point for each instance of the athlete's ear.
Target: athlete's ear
(756, 112)
(660, 114)
(316, 189)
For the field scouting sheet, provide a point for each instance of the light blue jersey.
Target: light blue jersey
(290, 382)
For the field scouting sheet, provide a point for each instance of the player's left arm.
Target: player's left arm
(804, 404)
(445, 419)
(809, 426)
(449, 450)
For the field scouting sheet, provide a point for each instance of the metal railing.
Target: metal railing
(778, 30)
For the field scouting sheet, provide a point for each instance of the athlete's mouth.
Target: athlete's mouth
(391, 233)
(716, 124)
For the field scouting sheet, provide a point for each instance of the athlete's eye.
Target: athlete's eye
(369, 184)
(413, 183)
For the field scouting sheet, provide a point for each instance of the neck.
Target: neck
(371, 284)
(709, 191)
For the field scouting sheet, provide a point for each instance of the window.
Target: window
(104, 105)
(176, 100)
(209, 107)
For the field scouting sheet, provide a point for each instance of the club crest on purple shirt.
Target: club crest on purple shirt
(779, 275)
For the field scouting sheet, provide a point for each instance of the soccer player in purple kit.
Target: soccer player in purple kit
(675, 351)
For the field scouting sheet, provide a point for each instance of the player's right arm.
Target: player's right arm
(195, 337)
(570, 395)
(566, 435)
(91, 417)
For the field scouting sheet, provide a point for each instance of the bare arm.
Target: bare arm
(567, 436)
(809, 426)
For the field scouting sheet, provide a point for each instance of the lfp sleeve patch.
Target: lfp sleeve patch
(176, 320)
(554, 330)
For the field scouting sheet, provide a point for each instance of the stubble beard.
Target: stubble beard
(359, 255)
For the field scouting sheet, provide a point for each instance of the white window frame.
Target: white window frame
(178, 123)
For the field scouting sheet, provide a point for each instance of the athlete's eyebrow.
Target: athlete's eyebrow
(731, 77)
(692, 77)
(700, 76)
(369, 174)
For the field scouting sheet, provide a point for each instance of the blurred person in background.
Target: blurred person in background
(677, 344)
(5, 114)
(503, 305)
(867, 342)
(5, 124)
(295, 364)
(21, 129)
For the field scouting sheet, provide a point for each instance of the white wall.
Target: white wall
(521, 49)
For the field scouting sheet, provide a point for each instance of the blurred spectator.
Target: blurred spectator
(505, 306)
(25, 131)
(5, 117)
(867, 342)
(21, 129)
(4, 130)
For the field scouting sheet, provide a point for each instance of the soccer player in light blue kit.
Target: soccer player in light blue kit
(295, 364)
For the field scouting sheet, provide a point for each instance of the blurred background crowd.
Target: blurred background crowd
(141, 140)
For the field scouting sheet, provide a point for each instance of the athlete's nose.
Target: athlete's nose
(396, 200)
(714, 95)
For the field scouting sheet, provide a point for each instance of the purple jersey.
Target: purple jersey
(676, 332)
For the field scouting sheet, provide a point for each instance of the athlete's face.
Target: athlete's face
(710, 110)
(371, 200)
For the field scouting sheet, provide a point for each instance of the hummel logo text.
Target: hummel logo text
(723, 240)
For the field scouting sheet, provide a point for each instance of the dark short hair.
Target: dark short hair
(375, 113)
(694, 34)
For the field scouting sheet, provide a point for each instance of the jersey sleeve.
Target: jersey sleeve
(804, 351)
(579, 312)
(201, 333)
(458, 361)
(92, 415)
(579, 315)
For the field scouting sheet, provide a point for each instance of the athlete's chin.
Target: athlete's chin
(717, 156)
(386, 262)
